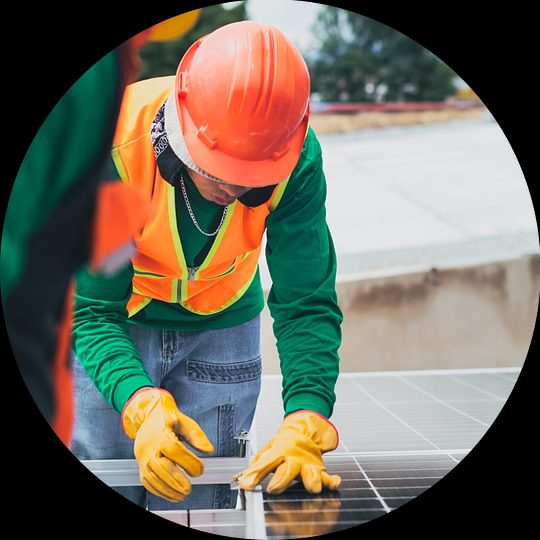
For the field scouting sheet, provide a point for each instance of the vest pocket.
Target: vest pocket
(154, 286)
(229, 269)
(143, 273)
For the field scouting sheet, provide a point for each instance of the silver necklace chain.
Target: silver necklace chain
(192, 215)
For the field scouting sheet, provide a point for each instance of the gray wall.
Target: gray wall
(465, 317)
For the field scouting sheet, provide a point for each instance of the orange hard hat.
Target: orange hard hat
(242, 101)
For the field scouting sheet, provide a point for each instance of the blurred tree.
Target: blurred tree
(161, 58)
(360, 59)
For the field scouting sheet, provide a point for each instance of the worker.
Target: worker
(167, 350)
(65, 210)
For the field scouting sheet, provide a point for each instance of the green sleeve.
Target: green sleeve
(302, 300)
(101, 337)
(61, 155)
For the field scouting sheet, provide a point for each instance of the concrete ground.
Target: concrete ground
(409, 197)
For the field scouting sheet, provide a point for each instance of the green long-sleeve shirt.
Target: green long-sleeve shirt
(302, 300)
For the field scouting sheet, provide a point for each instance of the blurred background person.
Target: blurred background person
(65, 210)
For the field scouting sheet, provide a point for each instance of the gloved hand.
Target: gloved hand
(153, 420)
(296, 450)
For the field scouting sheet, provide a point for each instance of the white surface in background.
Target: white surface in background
(421, 196)
(424, 185)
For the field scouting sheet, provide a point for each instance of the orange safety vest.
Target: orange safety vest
(159, 265)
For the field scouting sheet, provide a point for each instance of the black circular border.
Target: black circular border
(46, 50)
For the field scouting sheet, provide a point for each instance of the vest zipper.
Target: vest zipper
(190, 277)
(191, 272)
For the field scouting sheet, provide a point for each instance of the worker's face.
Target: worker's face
(217, 192)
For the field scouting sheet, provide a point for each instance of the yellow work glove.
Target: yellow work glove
(296, 450)
(153, 420)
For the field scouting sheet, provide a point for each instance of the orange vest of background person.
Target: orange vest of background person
(159, 264)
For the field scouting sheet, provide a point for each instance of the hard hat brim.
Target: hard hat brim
(238, 171)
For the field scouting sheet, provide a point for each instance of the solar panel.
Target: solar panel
(400, 433)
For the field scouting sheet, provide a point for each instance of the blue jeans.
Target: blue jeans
(215, 377)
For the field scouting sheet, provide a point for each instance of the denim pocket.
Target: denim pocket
(224, 373)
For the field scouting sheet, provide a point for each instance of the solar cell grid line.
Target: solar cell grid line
(470, 384)
(409, 482)
(486, 410)
(384, 388)
(444, 403)
(500, 384)
(409, 427)
(443, 386)
(385, 408)
(377, 495)
(401, 479)
(390, 453)
(370, 438)
(507, 376)
(412, 473)
(443, 427)
(445, 433)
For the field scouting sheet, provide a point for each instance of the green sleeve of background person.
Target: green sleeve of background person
(303, 302)
(58, 157)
